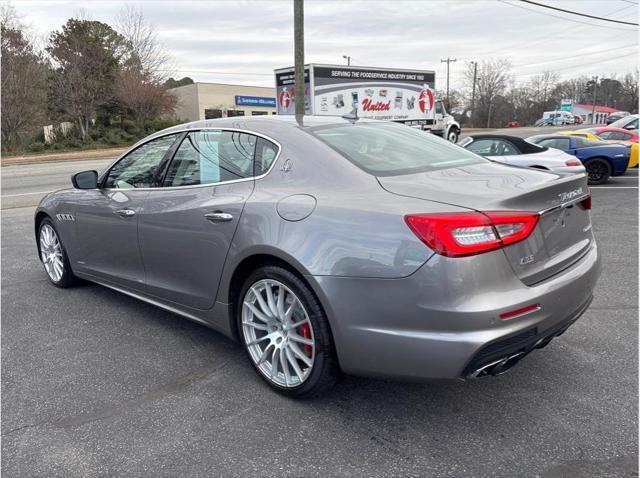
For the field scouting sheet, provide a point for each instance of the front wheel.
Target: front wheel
(598, 170)
(286, 333)
(53, 256)
(452, 135)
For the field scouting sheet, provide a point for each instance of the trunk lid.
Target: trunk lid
(563, 233)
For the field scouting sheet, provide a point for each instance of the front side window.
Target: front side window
(493, 147)
(212, 156)
(389, 149)
(139, 168)
(439, 107)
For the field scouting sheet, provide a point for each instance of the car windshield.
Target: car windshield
(389, 149)
(630, 122)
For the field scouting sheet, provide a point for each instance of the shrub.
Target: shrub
(36, 147)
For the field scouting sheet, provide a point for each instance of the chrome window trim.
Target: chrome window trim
(192, 130)
(565, 204)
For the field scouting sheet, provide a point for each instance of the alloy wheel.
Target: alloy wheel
(51, 252)
(597, 171)
(278, 333)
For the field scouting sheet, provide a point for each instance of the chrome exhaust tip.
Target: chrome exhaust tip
(498, 367)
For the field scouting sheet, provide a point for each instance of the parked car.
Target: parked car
(559, 117)
(577, 119)
(324, 244)
(513, 124)
(518, 152)
(600, 160)
(616, 115)
(628, 122)
(544, 122)
(612, 134)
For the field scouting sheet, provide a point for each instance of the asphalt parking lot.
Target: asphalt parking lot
(95, 383)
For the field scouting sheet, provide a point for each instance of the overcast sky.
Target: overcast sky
(243, 41)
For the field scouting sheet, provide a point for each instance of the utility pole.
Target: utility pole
(473, 91)
(348, 58)
(298, 55)
(448, 61)
(593, 110)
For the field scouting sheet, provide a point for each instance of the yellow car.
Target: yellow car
(633, 158)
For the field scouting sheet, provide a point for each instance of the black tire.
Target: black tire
(68, 279)
(325, 370)
(599, 171)
(453, 135)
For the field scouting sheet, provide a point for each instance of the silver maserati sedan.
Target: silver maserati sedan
(331, 245)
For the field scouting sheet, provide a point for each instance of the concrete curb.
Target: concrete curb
(67, 156)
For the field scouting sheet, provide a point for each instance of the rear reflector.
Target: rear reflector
(466, 234)
(586, 203)
(572, 162)
(518, 312)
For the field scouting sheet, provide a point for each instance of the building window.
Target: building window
(258, 113)
(231, 113)
(212, 113)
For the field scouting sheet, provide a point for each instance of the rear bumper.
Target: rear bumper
(443, 321)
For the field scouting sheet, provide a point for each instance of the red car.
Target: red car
(513, 124)
(611, 133)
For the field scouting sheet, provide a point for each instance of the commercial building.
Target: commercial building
(585, 112)
(217, 100)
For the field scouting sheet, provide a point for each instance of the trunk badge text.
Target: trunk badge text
(564, 197)
(526, 260)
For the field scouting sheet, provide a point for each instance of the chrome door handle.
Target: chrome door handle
(125, 212)
(218, 216)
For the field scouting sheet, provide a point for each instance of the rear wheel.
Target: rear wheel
(598, 170)
(286, 333)
(452, 135)
(53, 256)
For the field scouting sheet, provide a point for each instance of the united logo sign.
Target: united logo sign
(284, 98)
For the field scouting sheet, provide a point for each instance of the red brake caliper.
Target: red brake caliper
(306, 333)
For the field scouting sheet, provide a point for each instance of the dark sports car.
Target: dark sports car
(600, 160)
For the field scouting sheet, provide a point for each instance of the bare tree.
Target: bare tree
(630, 92)
(145, 48)
(492, 79)
(541, 86)
(24, 76)
(143, 96)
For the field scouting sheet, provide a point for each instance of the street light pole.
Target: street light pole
(593, 106)
(298, 55)
(473, 91)
(448, 61)
(348, 58)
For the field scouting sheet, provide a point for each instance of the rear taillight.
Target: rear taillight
(586, 203)
(466, 234)
(572, 162)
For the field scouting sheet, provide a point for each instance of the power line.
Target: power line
(592, 23)
(578, 13)
(239, 73)
(561, 34)
(607, 50)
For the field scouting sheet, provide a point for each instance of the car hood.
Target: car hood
(488, 186)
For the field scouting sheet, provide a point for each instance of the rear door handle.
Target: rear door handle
(125, 212)
(218, 216)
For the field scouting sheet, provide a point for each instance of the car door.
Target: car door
(187, 226)
(496, 149)
(107, 217)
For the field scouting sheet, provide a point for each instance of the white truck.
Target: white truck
(403, 96)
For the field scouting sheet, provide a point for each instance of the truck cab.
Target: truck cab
(444, 124)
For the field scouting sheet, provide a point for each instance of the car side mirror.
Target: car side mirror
(85, 180)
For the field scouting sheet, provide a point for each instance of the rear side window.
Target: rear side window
(212, 156)
(493, 147)
(557, 143)
(389, 149)
(266, 153)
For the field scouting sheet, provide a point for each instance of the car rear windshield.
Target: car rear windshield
(390, 149)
